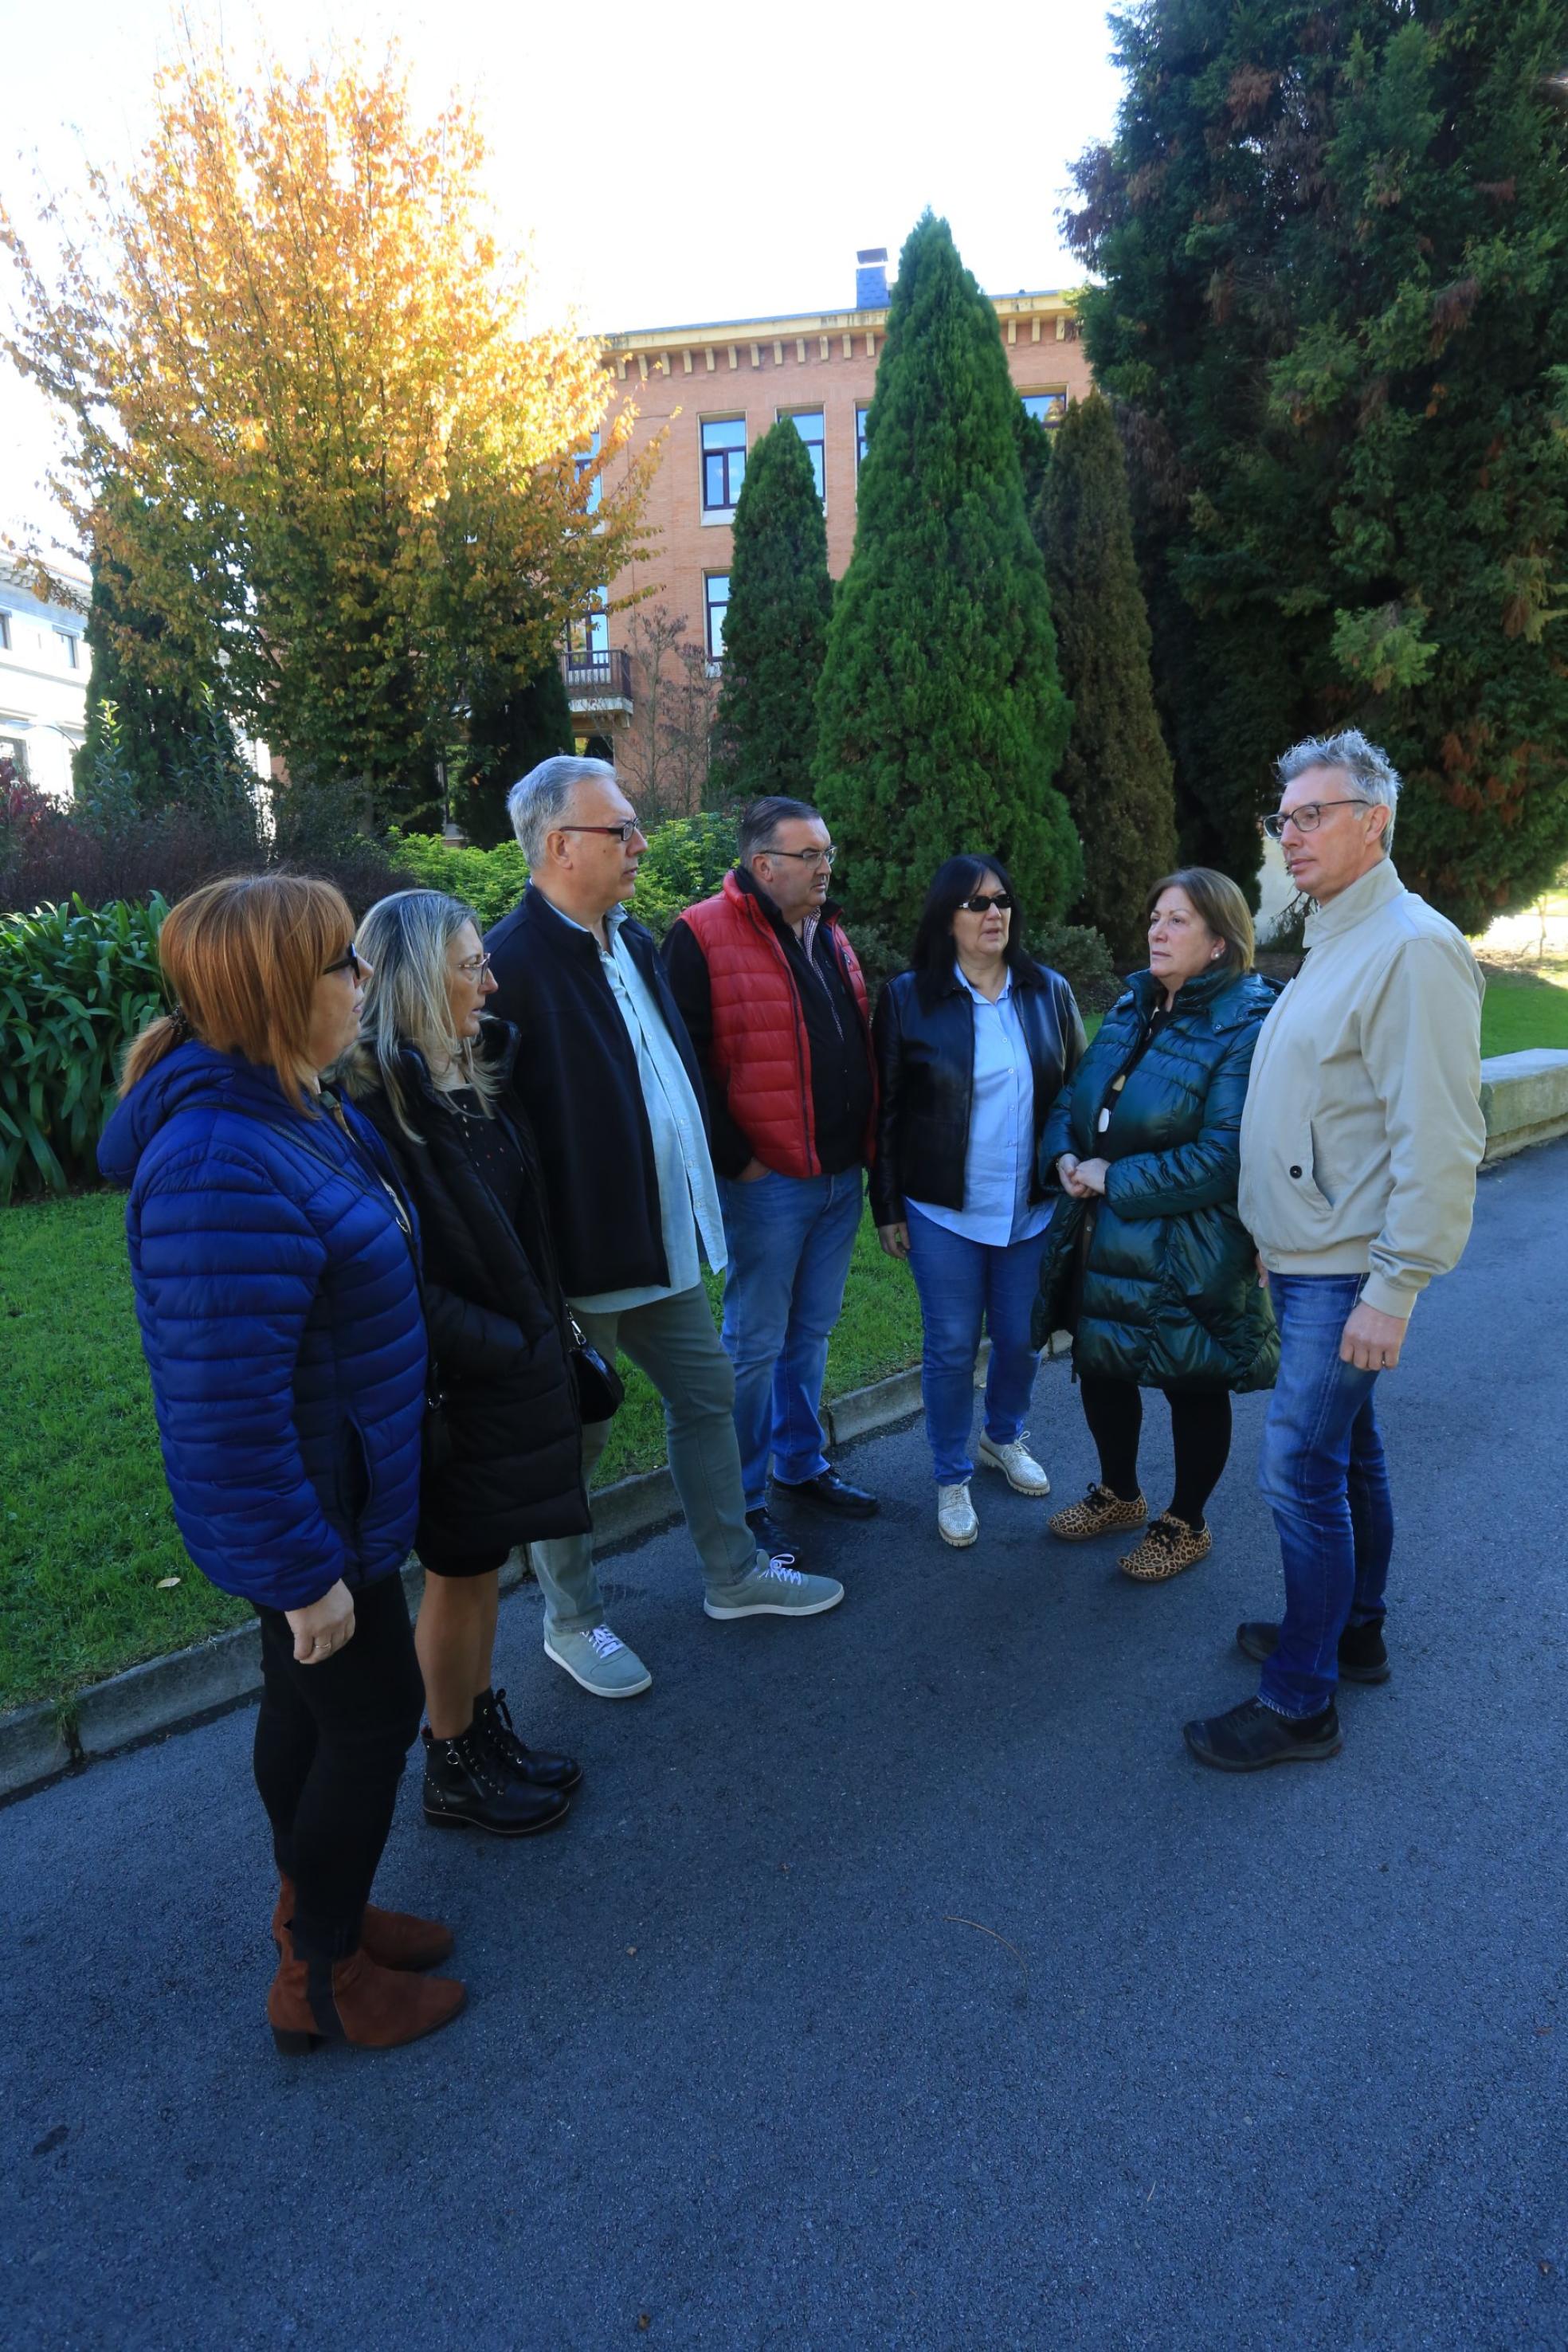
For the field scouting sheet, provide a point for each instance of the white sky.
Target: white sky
(671, 165)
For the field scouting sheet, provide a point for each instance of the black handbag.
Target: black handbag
(600, 1388)
(1064, 1256)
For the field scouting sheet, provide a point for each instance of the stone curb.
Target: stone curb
(37, 1744)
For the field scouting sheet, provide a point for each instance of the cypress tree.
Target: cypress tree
(1117, 771)
(508, 735)
(941, 714)
(1333, 248)
(775, 630)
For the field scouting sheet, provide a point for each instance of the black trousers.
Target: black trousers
(331, 1743)
(1200, 1433)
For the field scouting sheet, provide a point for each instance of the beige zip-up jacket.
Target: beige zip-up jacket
(1363, 1129)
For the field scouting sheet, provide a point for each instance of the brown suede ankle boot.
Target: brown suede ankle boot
(355, 2000)
(395, 1940)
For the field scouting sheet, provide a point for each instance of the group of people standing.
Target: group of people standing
(398, 1195)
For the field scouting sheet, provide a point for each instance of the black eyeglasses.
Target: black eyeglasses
(980, 905)
(621, 832)
(347, 961)
(1307, 818)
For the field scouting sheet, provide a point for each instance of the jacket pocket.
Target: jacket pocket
(1301, 1172)
(355, 1477)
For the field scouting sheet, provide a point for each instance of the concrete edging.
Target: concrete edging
(39, 1743)
(1524, 1099)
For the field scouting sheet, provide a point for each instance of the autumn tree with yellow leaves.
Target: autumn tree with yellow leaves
(351, 468)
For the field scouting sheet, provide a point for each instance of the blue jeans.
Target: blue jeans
(959, 1281)
(1326, 1481)
(790, 1239)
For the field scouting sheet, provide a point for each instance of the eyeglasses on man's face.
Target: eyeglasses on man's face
(1306, 819)
(347, 961)
(816, 859)
(621, 832)
(983, 901)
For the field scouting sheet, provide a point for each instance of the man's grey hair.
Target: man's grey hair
(540, 800)
(1370, 770)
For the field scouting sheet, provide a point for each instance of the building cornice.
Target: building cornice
(1050, 316)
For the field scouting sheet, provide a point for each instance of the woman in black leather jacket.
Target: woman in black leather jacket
(972, 1046)
(504, 1457)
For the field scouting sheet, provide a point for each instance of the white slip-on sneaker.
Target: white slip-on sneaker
(598, 1660)
(1016, 1464)
(955, 1521)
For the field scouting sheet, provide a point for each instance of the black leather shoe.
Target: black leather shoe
(774, 1540)
(1363, 1654)
(467, 1788)
(1253, 1735)
(828, 1492)
(537, 1766)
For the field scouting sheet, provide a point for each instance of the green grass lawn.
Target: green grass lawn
(1526, 1005)
(86, 1533)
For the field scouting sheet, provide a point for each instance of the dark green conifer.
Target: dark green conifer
(775, 629)
(942, 713)
(1117, 771)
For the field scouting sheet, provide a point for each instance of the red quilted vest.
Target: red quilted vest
(759, 1048)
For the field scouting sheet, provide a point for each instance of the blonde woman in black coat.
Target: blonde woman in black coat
(503, 1460)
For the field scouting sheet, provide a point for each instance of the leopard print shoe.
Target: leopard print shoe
(1169, 1546)
(1100, 1512)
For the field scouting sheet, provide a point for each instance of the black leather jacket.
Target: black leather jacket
(925, 1058)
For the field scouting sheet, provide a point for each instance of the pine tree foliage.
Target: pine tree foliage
(941, 714)
(508, 735)
(1117, 771)
(775, 629)
(1332, 248)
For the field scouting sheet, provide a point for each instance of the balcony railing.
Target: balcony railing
(603, 676)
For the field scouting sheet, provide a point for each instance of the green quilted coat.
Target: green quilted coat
(1163, 1290)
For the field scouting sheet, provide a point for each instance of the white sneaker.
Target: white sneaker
(955, 1521)
(1016, 1464)
(598, 1660)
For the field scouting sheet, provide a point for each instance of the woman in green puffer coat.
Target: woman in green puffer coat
(1145, 1259)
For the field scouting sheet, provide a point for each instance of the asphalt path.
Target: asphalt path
(897, 1979)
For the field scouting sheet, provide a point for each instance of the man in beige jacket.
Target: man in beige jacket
(1360, 1142)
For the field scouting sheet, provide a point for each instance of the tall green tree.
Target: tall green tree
(942, 715)
(1333, 248)
(1116, 772)
(508, 735)
(775, 629)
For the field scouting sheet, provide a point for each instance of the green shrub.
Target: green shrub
(75, 984)
(490, 881)
(687, 858)
(1083, 959)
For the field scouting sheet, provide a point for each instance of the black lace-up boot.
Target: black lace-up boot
(536, 1766)
(466, 1786)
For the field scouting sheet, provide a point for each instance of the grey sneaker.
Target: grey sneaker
(599, 1660)
(774, 1588)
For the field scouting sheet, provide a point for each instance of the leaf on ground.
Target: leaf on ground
(167, 1584)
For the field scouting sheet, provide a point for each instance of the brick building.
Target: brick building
(713, 391)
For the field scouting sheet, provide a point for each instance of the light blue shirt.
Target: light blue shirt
(1001, 1152)
(689, 1215)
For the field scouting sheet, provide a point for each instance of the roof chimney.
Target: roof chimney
(871, 278)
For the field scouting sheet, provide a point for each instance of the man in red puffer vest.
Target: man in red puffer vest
(772, 994)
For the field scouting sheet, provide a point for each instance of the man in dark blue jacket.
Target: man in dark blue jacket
(609, 1078)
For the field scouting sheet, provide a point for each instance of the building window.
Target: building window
(716, 594)
(860, 417)
(810, 425)
(596, 485)
(69, 653)
(14, 749)
(588, 639)
(5, 633)
(723, 462)
(1047, 409)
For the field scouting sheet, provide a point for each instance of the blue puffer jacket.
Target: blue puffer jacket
(280, 1313)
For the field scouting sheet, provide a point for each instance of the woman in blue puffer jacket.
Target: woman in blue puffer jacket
(273, 1261)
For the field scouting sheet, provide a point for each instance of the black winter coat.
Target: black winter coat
(925, 1065)
(1166, 1291)
(577, 1080)
(507, 1463)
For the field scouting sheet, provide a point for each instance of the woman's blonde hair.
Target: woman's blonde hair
(405, 940)
(242, 958)
(1217, 901)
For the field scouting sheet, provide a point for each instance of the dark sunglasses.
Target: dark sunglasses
(347, 961)
(979, 906)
